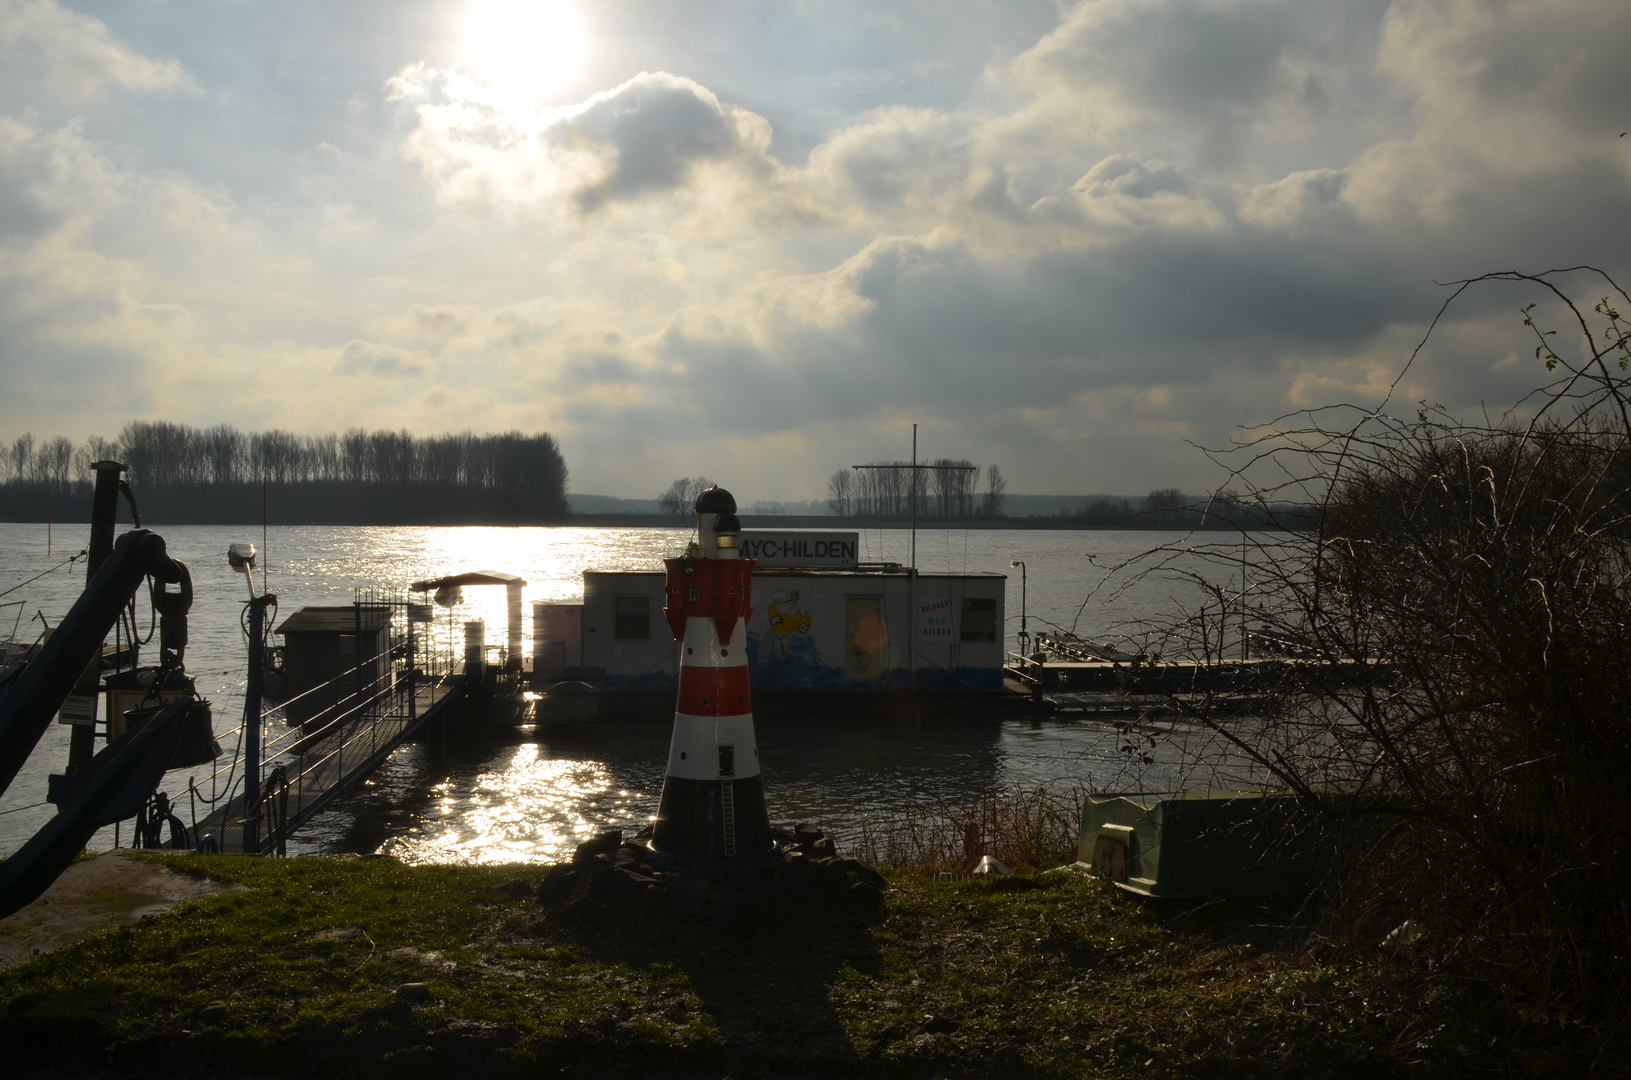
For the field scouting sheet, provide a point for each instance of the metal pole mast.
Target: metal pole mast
(911, 575)
(252, 722)
(911, 569)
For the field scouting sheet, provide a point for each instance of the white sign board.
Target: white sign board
(776, 547)
(79, 710)
(936, 620)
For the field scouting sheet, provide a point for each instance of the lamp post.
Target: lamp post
(1024, 634)
(242, 559)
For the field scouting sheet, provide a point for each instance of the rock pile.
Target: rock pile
(609, 871)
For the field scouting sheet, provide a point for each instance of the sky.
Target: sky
(759, 241)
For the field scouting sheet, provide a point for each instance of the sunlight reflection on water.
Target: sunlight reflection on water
(527, 808)
(532, 799)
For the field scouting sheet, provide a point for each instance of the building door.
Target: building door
(866, 638)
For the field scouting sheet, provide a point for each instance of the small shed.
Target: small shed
(329, 653)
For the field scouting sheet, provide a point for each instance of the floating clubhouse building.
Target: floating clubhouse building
(821, 621)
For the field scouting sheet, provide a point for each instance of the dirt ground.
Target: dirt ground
(92, 894)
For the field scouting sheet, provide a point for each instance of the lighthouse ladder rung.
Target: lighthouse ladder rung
(727, 801)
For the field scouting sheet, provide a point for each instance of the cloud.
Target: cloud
(647, 136)
(892, 159)
(1506, 97)
(963, 272)
(372, 358)
(652, 131)
(1208, 72)
(48, 46)
(1289, 204)
(47, 179)
(1152, 222)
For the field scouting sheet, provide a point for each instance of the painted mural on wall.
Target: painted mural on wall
(788, 620)
(788, 656)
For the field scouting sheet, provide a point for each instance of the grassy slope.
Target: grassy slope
(1053, 976)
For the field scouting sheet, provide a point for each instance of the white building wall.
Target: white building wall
(801, 634)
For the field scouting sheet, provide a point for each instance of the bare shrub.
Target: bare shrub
(1455, 644)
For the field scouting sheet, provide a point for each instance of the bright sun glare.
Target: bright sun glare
(524, 45)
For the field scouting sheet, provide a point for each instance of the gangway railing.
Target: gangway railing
(306, 767)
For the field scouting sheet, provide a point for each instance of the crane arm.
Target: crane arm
(34, 695)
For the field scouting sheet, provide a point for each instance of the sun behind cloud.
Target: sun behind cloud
(525, 46)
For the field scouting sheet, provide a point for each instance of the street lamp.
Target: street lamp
(242, 559)
(1024, 634)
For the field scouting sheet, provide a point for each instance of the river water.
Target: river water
(533, 798)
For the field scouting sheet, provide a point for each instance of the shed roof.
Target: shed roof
(469, 577)
(339, 619)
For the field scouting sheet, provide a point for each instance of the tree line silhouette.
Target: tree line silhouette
(1170, 508)
(945, 489)
(223, 475)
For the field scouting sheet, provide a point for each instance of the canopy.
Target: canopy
(512, 586)
(472, 577)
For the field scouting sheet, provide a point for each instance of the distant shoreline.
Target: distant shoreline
(420, 503)
(661, 521)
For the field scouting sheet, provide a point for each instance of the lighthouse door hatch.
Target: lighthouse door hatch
(727, 806)
(727, 760)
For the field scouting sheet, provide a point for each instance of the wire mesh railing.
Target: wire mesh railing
(337, 730)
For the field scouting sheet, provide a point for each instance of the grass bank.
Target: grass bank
(1053, 975)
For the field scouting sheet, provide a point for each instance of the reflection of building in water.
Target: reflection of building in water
(853, 631)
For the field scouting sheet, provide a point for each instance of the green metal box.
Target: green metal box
(1203, 845)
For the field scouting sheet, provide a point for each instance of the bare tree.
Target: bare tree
(996, 488)
(22, 455)
(681, 495)
(56, 461)
(839, 487)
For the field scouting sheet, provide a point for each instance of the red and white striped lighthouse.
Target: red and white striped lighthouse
(713, 803)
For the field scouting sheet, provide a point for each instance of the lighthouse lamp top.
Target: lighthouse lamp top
(717, 526)
(715, 500)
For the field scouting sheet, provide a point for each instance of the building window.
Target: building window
(632, 618)
(979, 620)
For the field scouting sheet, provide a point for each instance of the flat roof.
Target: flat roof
(469, 577)
(335, 620)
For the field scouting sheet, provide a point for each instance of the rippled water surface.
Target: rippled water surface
(529, 798)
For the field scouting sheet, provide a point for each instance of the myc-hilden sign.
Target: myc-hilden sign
(774, 547)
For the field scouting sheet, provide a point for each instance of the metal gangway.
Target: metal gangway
(377, 707)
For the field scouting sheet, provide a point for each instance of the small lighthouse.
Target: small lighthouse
(713, 803)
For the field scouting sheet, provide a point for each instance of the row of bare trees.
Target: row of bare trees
(944, 489)
(161, 454)
(515, 476)
(56, 462)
